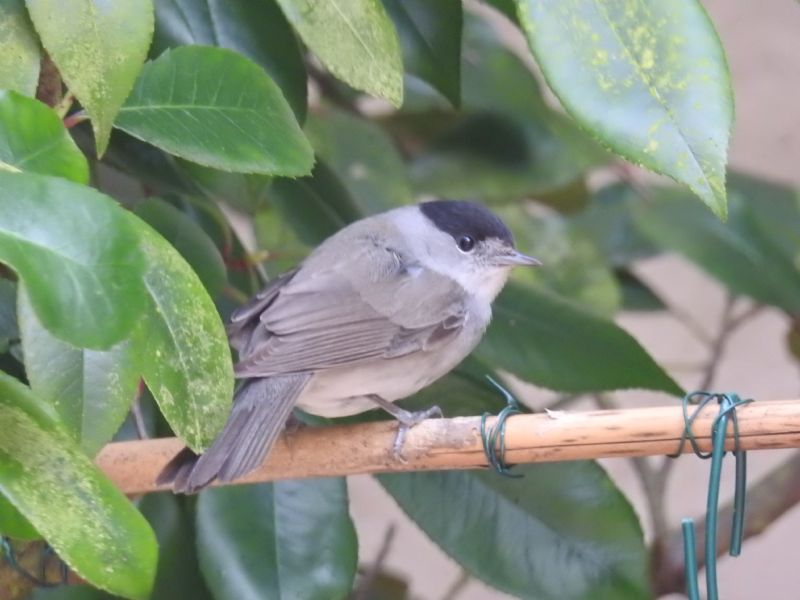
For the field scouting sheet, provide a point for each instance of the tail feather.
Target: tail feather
(260, 410)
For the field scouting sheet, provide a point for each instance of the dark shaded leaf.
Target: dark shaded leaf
(87, 520)
(245, 123)
(257, 30)
(608, 221)
(509, 142)
(562, 531)
(9, 330)
(78, 255)
(188, 239)
(98, 48)
(364, 158)
(19, 60)
(316, 206)
(90, 390)
(430, 36)
(244, 191)
(178, 573)
(546, 340)
(33, 139)
(648, 79)
(355, 40)
(637, 295)
(290, 539)
(740, 255)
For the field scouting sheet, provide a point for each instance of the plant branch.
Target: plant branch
(439, 444)
(767, 499)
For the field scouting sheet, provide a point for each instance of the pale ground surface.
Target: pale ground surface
(762, 40)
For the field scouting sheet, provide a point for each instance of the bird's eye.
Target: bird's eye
(466, 243)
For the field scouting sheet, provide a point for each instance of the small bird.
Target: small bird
(381, 309)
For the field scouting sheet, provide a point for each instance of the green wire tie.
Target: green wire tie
(494, 438)
(728, 404)
(40, 581)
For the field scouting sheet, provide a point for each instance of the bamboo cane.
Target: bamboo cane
(440, 444)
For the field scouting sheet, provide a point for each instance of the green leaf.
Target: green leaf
(19, 60)
(216, 108)
(88, 521)
(737, 253)
(189, 239)
(563, 531)
(257, 30)
(78, 255)
(355, 40)
(13, 524)
(90, 390)
(546, 340)
(365, 159)
(178, 573)
(181, 346)
(508, 143)
(636, 294)
(430, 36)
(243, 191)
(609, 223)
(98, 48)
(33, 138)
(315, 207)
(649, 79)
(573, 266)
(289, 539)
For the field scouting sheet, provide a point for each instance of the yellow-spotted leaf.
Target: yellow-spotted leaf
(99, 48)
(649, 79)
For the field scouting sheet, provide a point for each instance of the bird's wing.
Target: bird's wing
(322, 318)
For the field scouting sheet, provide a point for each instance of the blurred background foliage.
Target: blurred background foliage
(258, 128)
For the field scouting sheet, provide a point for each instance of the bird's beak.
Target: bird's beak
(517, 259)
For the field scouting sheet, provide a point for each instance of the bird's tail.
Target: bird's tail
(260, 410)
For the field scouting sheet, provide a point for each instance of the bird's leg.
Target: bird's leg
(405, 420)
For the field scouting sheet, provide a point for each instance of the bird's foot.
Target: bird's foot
(406, 419)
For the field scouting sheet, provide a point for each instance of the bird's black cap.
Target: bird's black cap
(459, 218)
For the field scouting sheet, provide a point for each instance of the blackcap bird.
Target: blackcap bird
(377, 312)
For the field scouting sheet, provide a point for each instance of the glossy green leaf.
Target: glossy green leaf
(13, 524)
(572, 265)
(282, 244)
(178, 573)
(508, 143)
(608, 222)
(78, 255)
(216, 108)
(430, 36)
(181, 346)
(316, 206)
(365, 159)
(737, 253)
(289, 539)
(563, 531)
(90, 390)
(33, 138)
(244, 191)
(649, 79)
(256, 29)
(19, 60)
(88, 521)
(355, 40)
(98, 48)
(546, 340)
(189, 239)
